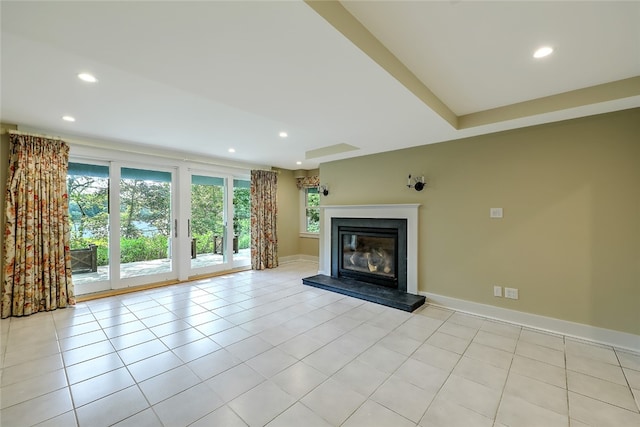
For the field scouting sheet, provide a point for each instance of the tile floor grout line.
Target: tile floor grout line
(566, 378)
(388, 376)
(504, 386)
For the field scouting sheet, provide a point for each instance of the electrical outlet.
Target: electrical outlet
(511, 293)
(495, 213)
(497, 291)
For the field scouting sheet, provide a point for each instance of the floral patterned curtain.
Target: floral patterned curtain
(37, 262)
(308, 182)
(264, 210)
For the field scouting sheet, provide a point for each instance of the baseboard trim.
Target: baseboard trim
(621, 340)
(295, 258)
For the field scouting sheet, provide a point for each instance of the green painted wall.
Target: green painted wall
(287, 214)
(570, 236)
(289, 241)
(308, 246)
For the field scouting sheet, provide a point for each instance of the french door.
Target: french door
(122, 225)
(144, 226)
(88, 187)
(219, 224)
(133, 224)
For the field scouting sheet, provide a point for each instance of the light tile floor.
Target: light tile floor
(259, 348)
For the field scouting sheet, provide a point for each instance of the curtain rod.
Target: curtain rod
(171, 156)
(140, 150)
(154, 151)
(39, 135)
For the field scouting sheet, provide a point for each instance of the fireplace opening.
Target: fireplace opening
(371, 250)
(370, 254)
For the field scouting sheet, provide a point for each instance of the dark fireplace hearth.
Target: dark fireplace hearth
(369, 261)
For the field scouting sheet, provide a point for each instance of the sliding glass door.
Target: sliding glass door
(88, 190)
(145, 227)
(219, 225)
(128, 229)
(241, 222)
(208, 225)
(131, 247)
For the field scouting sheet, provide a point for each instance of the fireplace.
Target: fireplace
(374, 254)
(372, 250)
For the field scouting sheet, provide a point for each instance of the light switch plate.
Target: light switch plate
(495, 213)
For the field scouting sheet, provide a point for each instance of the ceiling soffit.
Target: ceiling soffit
(347, 24)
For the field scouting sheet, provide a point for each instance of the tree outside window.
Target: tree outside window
(312, 210)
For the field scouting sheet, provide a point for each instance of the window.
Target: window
(88, 189)
(137, 223)
(145, 222)
(310, 223)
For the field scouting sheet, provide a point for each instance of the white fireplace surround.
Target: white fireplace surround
(405, 211)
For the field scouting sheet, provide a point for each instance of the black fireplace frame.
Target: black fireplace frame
(375, 227)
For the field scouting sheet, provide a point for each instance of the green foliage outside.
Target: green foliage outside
(244, 241)
(144, 202)
(207, 212)
(143, 248)
(242, 216)
(313, 210)
(102, 244)
(145, 209)
(131, 250)
(207, 216)
(144, 217)
(88, 214)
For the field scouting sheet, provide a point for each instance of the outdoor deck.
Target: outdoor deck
(143, 268)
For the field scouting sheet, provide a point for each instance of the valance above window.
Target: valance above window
(308, 182)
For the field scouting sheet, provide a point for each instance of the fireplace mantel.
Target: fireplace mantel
(402, 211)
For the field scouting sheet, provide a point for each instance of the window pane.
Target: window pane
(145, 222)
(145, 175)
(242, 220)
(83, 169)
(312, 203)
(313, 220)
(88, 187)
(207, 221)
(313, 199)
(206, 180)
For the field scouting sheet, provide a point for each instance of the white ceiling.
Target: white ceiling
(203, 77)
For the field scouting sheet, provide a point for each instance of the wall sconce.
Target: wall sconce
(418, 183)
(324, 190)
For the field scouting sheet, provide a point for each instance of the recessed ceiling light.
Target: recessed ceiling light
(68, 119)
(542, 52)
(87, 77)
(232, 150)
(283, 135)
(298, 163)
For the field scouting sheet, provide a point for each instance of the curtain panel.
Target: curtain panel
(264, 210)
(37, 260)
(308, 182)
